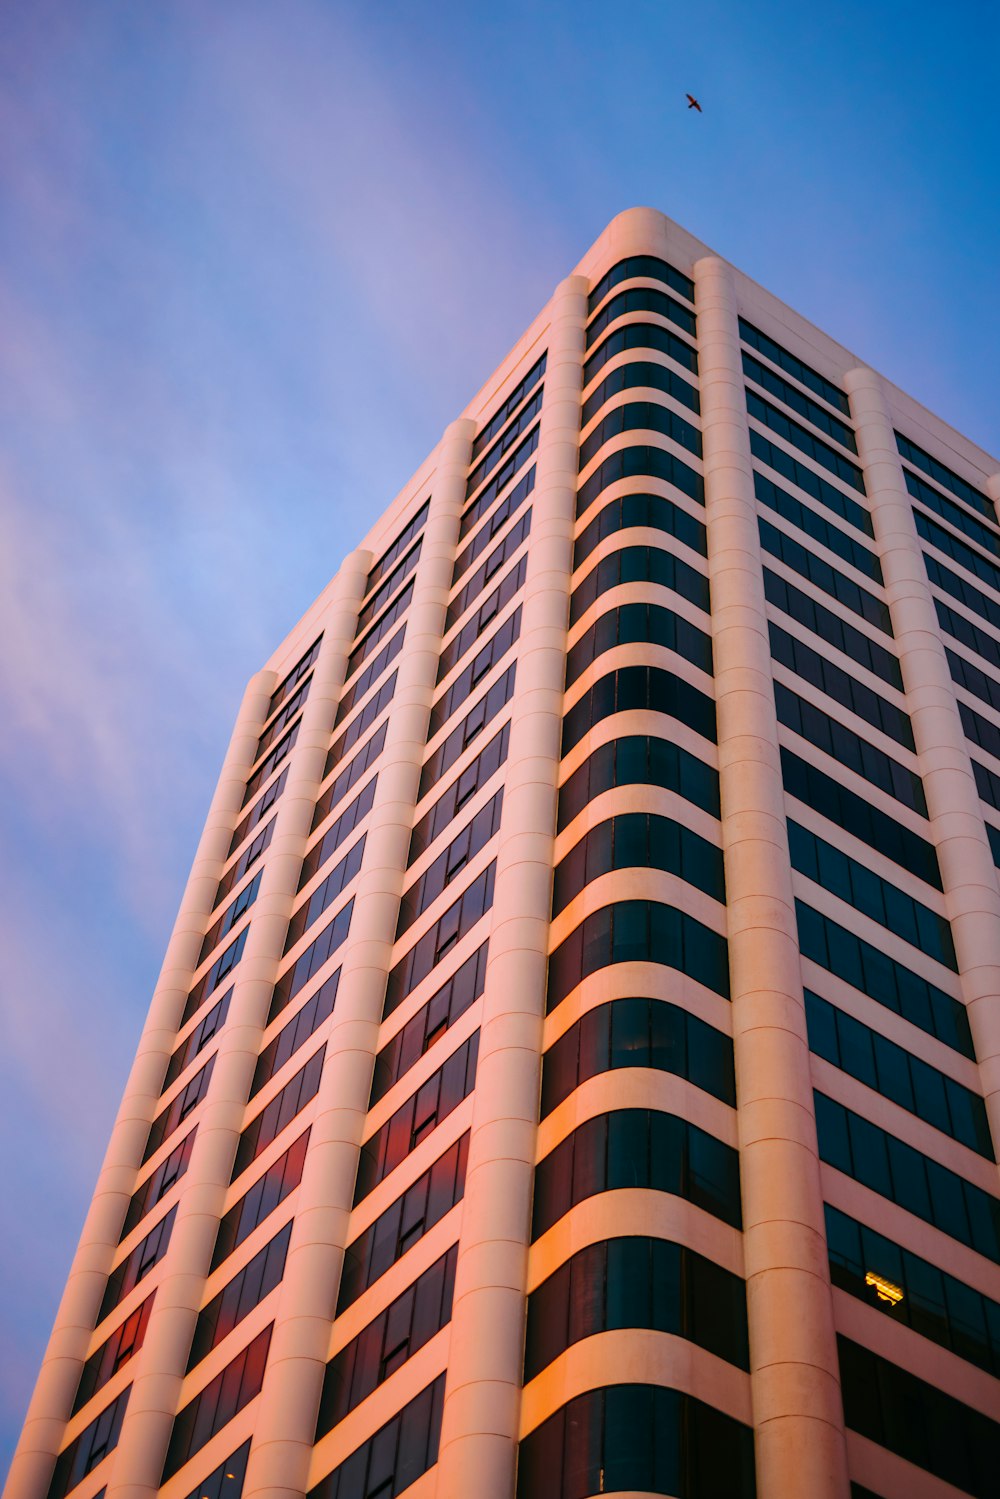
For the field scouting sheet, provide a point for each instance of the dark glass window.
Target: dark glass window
(980, 730)
(385, 1344)
(488, 495)
(837, 584)
(981, 641)
(840, 685)
(326, 893)
(650, 511)
(278, 1113)
(918, 1422)
(831, 629)
(177, 1110)
(446, 933)
(801, 438)
(267, 766)
(805, 375)
(471, 590)
(856, 884)
(638, 1033)
(353, 816)
(895, 1281)
(638, 1438)
(641, 336)
(963, 590)
(113, 1354)
(305, 1023)
(509, 505)
(911, 1083)
(520, 424)
(639, 760)
(267, 1193)
(311, 960)
(914, 1181)
(461, 791)
(641, 375)
(232, 914)
(468, 680)
(225, 1481)
(417, 1118)
(809, 481)
(196, 1040)
(216, 1405)
(210, 981)
(281, 720)
(856, 815)
(404, 1223)
(646, 687)
(643, 931)
(496, 422)
(361, 722)
(252, 818)
(369, 676)
(639, 840)
(981, 684)
(429, 1024)
(651, 624)
(473, 629)
(640, 462)
(817, 527)
(649, 266)
(844, 746)
(637, 1148)
(237, 1300)
(640, 416)
(966, 556)
(387, 588)
(641, 299)
(254, 850)
(397, 1455)
(884, 980)
(952, 513)
(158, 1184)
(91, 1447)
(449, 864)
(398, 547)
(295, 676)
(136, 1265)
(379, 630)
(637, 1282)
(454, 744)
(639, 564)
(945, 476)
(789, 395)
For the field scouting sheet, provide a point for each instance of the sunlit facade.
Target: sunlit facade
(574, 1068)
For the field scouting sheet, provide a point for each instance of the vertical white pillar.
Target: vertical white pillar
(161, 1364)
(486, 1353)
(45, 1424)
(285, 1422)
(968, 873)
(798, 1417)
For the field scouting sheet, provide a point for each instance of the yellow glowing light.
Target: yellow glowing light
(884, 1289)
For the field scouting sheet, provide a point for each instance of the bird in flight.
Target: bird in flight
(693, 103)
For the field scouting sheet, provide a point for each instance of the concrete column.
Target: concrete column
(156, 1389)
(798, 1417)
(285, 1423)
(968, 874)
(485, 1367)
(45, 1425)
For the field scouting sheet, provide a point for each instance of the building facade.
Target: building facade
(576, 1065)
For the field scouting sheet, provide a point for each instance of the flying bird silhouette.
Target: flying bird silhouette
(693, 103)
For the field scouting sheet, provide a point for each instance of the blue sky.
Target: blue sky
(253, 258)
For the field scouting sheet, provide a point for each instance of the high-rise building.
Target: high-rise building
(576, 1064)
